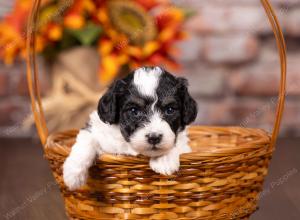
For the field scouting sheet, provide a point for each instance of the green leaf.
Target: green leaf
(87, 35)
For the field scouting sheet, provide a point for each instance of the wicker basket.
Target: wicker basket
(221, 179)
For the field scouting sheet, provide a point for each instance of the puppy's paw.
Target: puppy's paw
(165, 165)
(74, 176)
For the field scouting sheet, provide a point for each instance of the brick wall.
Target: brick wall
(14, 104)
(230, 60)
(14, 98)
(233, 67)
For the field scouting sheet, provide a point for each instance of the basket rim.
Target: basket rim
(56, 144)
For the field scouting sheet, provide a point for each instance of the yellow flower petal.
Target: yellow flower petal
(150, 48)
(102, 15)
(109, 69)
(122, 59)
(134, 51)
(10, 53)
(74, 21)
(166, 34)
(106, 46)
(177, 14)
(55, 33)
(89, 5)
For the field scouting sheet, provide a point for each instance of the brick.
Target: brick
(44, 71)
(293, 75)
(19, 81)
(245, 113)
(11, 74)
(190, 49)
(205, 80)
(214, 19)
(230, 49)
(285, 2)
(255, 113)
(203, 3)
(236, 2)
(250, 112)
(235, 18)
(17, 76)
(281, 11)
(268, 52)
(213, 112)
(291, 119)
(263, 78)
(292, 22)
(13, 111)
(4, 78)
(22, 87)
(259, 79)
(260, 113)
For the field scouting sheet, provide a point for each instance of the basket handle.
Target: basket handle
(32, 73)
(33, 81)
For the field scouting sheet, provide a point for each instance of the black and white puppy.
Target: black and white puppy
(145, 113)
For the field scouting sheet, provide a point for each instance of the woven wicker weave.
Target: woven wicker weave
(221, 179)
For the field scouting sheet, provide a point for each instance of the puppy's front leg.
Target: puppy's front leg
(170, 162)
(166, 164)
(81, 158)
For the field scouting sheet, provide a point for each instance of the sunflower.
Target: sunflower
(135, 36)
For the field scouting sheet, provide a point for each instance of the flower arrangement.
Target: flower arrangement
(126, 33)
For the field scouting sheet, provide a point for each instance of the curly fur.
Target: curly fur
(145, 113)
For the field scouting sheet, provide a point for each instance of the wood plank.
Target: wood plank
(27, 188)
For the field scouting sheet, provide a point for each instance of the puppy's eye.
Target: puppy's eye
(169, 111)
(134, 111)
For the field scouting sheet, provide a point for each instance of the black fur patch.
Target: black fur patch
(172, 92)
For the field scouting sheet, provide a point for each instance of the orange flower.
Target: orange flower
(130, 35)
(89, 6)
(135, 52)
(102, 16)
(54, 32)
(158, 51)
(110, 66)
(74, 21)
(74, 17)
(11, 42)
(150, 47)
(106, 47)
(148, 4)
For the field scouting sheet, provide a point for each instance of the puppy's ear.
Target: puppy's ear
(189, 110)
(108, 104)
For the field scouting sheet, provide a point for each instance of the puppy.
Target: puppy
(145, 113)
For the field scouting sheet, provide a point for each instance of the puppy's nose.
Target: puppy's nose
(154, 138)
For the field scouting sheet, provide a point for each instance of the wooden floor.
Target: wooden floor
(28, 191)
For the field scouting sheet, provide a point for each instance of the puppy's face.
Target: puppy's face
(151, 106)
